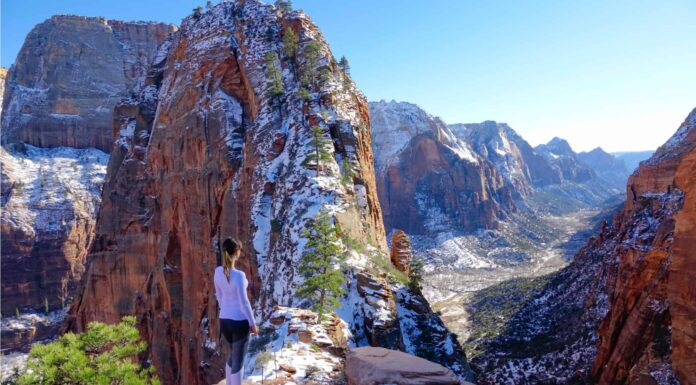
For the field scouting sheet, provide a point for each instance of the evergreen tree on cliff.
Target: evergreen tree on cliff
(319, 145)
(321, 265)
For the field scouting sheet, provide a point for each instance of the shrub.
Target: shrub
(104, 354)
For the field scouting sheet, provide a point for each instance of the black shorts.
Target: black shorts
(237, 335)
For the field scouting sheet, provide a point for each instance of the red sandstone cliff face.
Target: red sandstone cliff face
(648, 335)
(218, 157)
(428, 179)
(623, 311)
(68, 76)
(61, 91)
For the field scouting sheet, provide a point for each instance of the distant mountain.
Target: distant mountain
(607, 166)
(478, 202)
(562, 157)
(513, 157)
(429, 179)
(633, 158)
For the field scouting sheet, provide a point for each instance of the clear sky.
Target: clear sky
(619, 74)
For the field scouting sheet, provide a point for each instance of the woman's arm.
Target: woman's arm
(245, 304)
(218, 291)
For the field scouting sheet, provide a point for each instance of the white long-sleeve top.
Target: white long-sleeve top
(232, 295)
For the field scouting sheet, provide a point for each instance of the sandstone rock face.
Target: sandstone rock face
(618, 314)
(428, 178)
(373, 366)
(401, 253)
(205, 151)
(649, 331)
(50, 199)
(68, 76)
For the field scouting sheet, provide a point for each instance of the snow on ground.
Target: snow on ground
(48, 183)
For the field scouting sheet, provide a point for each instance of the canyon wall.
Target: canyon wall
(68, 76)
(57, 107)
(622, 312)
(221, 141)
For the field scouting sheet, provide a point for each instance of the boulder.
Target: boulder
(374, 365)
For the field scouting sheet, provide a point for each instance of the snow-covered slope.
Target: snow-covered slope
(50, 199)
(395, 124)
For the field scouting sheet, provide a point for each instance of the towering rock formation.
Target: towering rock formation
(623, 312)
(606, 166)
(429, 179)
(221, 142)
(68, 76)
(61, 92)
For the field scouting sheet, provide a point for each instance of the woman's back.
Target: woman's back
(232, 296)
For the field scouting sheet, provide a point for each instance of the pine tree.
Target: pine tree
(345, 66)
(104, 354)
(322, 266)
(320, 152)
(284, 6)
(208, 4)
(273, 74)
(415, 277)
(310, 71)
(347, 173)
(290, 43)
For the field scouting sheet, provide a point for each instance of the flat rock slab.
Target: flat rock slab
(376, 366)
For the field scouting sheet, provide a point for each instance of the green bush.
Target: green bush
(103, 355)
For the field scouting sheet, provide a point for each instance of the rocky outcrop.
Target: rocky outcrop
(69, 75)
(372, 366)
(428, 178)
(649, 330)
(618, 314)
(50, 199)
(401, 252)
(211, 148)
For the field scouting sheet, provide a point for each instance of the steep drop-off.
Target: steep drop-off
(622, 312)
(60, 95)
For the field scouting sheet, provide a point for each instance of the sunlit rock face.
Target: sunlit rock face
(69, 75)
(622, 312)
(428, 178)
(57, 128)
(205, 151)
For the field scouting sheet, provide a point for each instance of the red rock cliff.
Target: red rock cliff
(220, 155)
(648, 334)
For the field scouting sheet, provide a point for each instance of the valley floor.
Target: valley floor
(477, 281)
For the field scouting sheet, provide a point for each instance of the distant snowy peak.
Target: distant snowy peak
(395, 124)
(502, 146)
(556, 148)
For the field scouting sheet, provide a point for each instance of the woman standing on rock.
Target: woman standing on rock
(236, 316)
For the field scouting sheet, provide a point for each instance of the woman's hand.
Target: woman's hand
(253, 330)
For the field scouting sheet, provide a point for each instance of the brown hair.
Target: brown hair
(230, 251)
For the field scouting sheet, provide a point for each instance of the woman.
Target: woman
(236, 316)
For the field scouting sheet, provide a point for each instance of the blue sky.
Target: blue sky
(619, 74)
